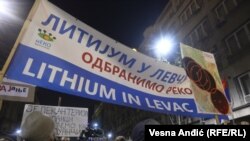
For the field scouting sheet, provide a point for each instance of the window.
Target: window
(183, 18)
(224, 8)
(243, 38)
(206, 26)
(221, 11)
(200, 32)
(244, 82)
(191, 9)
(179, 3)
(194, 37)
(243, 86)
(169, 10)
(199, 2)
(194, 6)
(173, 27)
(232, 45)
(239, 39)
(189, 12)
(203, 29)
(188, 41)
(230, 4)
(171, 13)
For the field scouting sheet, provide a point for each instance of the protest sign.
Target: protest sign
(206, 84)
(69, 121)
(17, 92)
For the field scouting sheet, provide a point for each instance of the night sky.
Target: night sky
(122, 20)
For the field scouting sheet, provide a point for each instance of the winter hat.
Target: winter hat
(37, 127)
(120, 138)
(139, 129)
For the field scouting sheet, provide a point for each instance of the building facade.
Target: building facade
(221, 27)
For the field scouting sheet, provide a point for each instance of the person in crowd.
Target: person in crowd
(37, 127)
(120, 138)
(139, 129)
(244, 123)
(65, 139)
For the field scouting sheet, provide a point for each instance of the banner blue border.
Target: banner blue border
(23, 53)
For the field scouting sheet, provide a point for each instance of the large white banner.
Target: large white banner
(61, 53)
(69, 121)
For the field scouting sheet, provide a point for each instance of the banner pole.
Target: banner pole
(59, 101)
(1, 103)
(217, 119)
(14, 48)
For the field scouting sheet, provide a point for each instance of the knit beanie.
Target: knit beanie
(139, 129)
(37, 127)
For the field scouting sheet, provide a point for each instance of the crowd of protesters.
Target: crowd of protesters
(38, 127)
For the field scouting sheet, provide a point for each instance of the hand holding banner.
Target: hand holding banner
(69, 121)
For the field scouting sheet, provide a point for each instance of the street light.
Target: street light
(134, 49)
(95, 125)
(109, 135)
(9, 12)
(163, 46)
(18, 131)
(4, 7)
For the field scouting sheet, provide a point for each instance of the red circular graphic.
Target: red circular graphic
(220, 102)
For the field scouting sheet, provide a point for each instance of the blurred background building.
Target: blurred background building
(221, 27)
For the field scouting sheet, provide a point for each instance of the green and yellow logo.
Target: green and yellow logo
(46, 36)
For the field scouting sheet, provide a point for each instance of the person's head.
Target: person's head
(244, 123)
(65, 139)
(139, 129)
(37, 127)
(120, 138)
